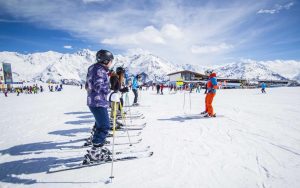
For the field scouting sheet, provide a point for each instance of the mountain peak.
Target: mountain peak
(85, 52)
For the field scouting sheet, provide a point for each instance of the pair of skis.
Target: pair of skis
(119, 156)
(115, 156)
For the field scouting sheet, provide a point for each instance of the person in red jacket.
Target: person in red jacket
(212, 85)
(162, 89)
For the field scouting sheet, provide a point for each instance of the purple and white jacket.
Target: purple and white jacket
(97, 85)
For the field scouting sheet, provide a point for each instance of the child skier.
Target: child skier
(212, 85)
(97, 86)
(135, 87)
(117, 85)
(263, 87)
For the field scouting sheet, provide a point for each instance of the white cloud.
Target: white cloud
(276, 9)
(205, 49)
(68, 47)
(166, 28)
(172, 31)
(149, 35)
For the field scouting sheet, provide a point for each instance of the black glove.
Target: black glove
(124, 90)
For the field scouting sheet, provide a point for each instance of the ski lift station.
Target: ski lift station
(187, 76)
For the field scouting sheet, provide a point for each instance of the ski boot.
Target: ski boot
(119, 125)
(210, 116)
(203, 113)
(97, 154)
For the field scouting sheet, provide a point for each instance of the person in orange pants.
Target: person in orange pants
(212, 85)
(208, 105)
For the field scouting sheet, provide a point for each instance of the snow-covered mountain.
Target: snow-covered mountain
(143, 61)
(289, 68)
(54, 66)
(49, 66)
(251, 71)
(297, 77)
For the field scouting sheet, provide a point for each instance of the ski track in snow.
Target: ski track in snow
(253, 142)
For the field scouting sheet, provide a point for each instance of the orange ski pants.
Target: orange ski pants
(208, 103)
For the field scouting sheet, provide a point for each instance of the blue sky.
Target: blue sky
(182, 31)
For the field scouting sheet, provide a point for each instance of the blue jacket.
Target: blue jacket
(212, 83)
(97, 85)
(135, 84)
(263, 85)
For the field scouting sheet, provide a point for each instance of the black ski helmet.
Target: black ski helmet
(120, 70)
(104, 56)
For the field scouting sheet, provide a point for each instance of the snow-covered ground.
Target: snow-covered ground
(255, 141)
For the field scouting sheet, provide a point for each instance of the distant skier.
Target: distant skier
(34, 89)
(97, 86)
(162, 89)
(171, 88)
(191, 85)
(5, 93)
(135, 87)
(157, 88)
(263, 87)
(198, 88)
(18, 91)
(212, 85)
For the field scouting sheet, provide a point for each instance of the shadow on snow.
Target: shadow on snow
(76, 113)
(70, 132)
(9, 171)
(38, 148)
(13, 171)
(184, 118)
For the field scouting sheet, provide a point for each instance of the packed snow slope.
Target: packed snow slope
(254, 141)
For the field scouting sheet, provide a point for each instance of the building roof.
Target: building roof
(231, 79)
(186, 71)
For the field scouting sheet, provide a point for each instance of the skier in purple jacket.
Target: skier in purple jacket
(97, 86)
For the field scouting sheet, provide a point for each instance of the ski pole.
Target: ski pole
(113, 145)
(128, 105)
(139, 95)
(124, 122)
(183, 100)
(190, 102)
